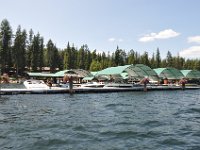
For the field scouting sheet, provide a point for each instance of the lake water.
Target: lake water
(111, 121)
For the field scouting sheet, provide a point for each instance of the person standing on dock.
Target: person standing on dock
(145, 81)
(49, 83)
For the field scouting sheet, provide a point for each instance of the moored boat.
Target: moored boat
(121, 85)
(35, 84)
(92, 85)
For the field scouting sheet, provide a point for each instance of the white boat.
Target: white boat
(122, 85)
(92, 85)
(35, 84)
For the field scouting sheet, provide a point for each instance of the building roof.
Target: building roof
(169, 73)
(191, 74)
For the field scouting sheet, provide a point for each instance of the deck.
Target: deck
(15, 91)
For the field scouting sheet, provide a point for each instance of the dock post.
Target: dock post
(71, 91)
(145, 81)
(145, 87)
(182, 82)
(183, 85)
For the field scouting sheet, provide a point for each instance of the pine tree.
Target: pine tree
(145, 59)
(41, 53)
(131, 57)
(153, 64)
(196, 64)
(74, 57)
(81, 58)
(68, 57)
(50, 55)
(88, 59)
(19, 49)
(6, 41)
(158, 58)
(120, 57)
(95, 66)
(117, 56)
(29, 50)
(137, 58)
(104, 62)
(169, 59)
(34, 53)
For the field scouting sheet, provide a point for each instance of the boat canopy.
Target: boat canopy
(40, 74)
(124, 75)
(138, 71)
(191, 74)
(88, 78)
(60, 73)
(169, 73)
(80, 73)
(142, 71)
(113, 70)
(74, 72)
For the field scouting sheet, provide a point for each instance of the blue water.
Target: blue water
(113, 121)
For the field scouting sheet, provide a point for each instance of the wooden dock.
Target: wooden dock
(90, 90)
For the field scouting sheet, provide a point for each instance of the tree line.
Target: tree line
(25, 51)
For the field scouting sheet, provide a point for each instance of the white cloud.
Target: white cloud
(193, 52)
(194, 39)
(120, 40)
(111, 39)
(115, 40)
(165, 34)
(146, 38)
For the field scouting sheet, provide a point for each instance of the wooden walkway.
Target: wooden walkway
(90, 90)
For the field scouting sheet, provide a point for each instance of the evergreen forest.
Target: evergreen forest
(24, 50)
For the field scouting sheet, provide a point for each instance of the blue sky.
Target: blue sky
(141, 25)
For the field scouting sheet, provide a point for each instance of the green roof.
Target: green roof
(169, 73)
(191, 74)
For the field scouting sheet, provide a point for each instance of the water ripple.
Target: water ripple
(131, 120)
